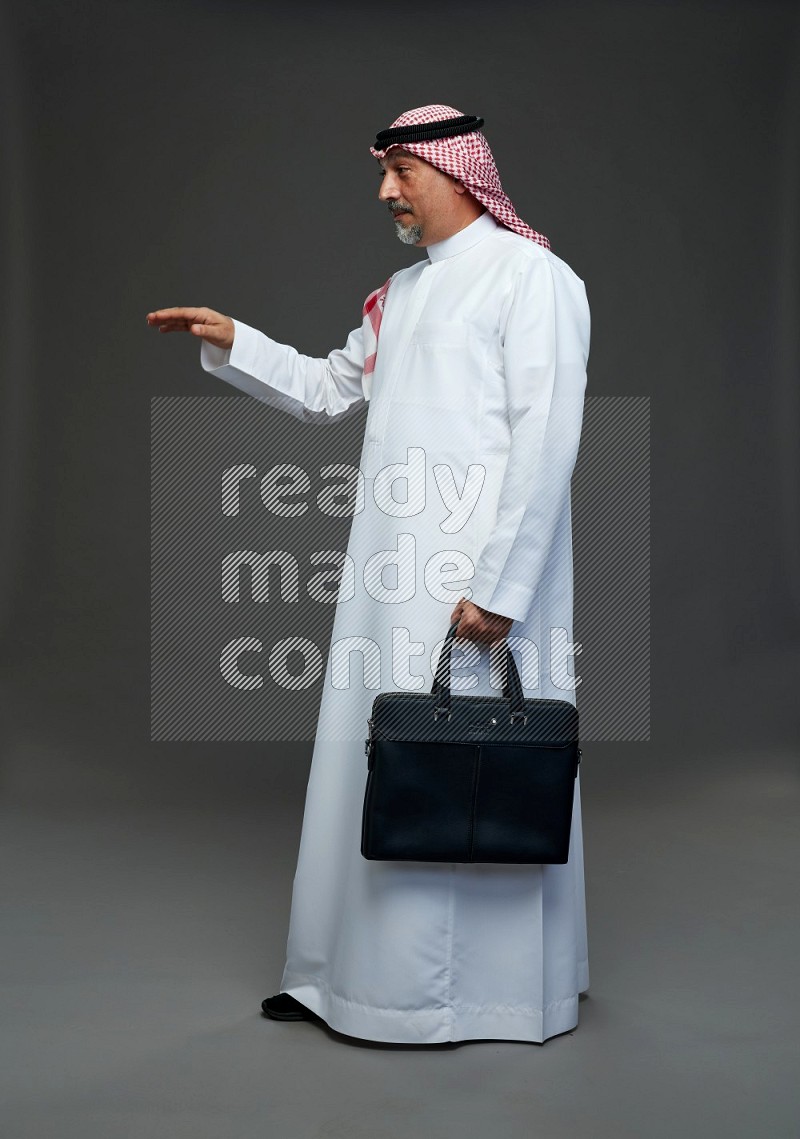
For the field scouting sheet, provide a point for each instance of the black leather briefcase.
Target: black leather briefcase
(469, 778)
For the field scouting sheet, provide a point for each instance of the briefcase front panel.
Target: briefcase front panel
(471, 787)
(523, 804)
(408, 810)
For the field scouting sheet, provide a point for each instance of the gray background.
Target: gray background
(206, 154)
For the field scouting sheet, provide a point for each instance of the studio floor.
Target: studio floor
(145, 908)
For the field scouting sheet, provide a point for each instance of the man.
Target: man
(473, 361)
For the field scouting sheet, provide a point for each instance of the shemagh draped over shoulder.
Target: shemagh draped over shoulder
(453, 143)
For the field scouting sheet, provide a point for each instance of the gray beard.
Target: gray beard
(408, 234)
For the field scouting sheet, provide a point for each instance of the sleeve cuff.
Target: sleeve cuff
(504, 598)
(242, 351)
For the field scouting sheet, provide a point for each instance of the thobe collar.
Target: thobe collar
(470, 235)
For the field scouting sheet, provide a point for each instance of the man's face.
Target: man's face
(421, 198)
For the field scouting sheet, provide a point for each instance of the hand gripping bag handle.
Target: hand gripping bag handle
(442, 679)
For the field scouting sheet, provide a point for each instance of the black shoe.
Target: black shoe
(284, 1007)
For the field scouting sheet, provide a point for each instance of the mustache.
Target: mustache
(397, 208)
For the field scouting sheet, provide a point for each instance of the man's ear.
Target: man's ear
(459, 186)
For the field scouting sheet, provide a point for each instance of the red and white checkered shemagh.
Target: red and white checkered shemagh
(372, 315)
(466, 157)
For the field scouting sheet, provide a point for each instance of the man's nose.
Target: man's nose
(388, 189)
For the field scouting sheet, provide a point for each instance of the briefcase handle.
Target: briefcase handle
(441, 681)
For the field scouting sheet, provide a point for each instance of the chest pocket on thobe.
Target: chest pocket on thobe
(442, 357)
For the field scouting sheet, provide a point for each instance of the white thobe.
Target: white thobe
(481, 364)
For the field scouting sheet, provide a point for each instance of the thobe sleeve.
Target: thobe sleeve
(314, 389)
(545, 343)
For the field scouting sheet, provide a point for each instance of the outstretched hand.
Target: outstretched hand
(202, 322)
(476, 624)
